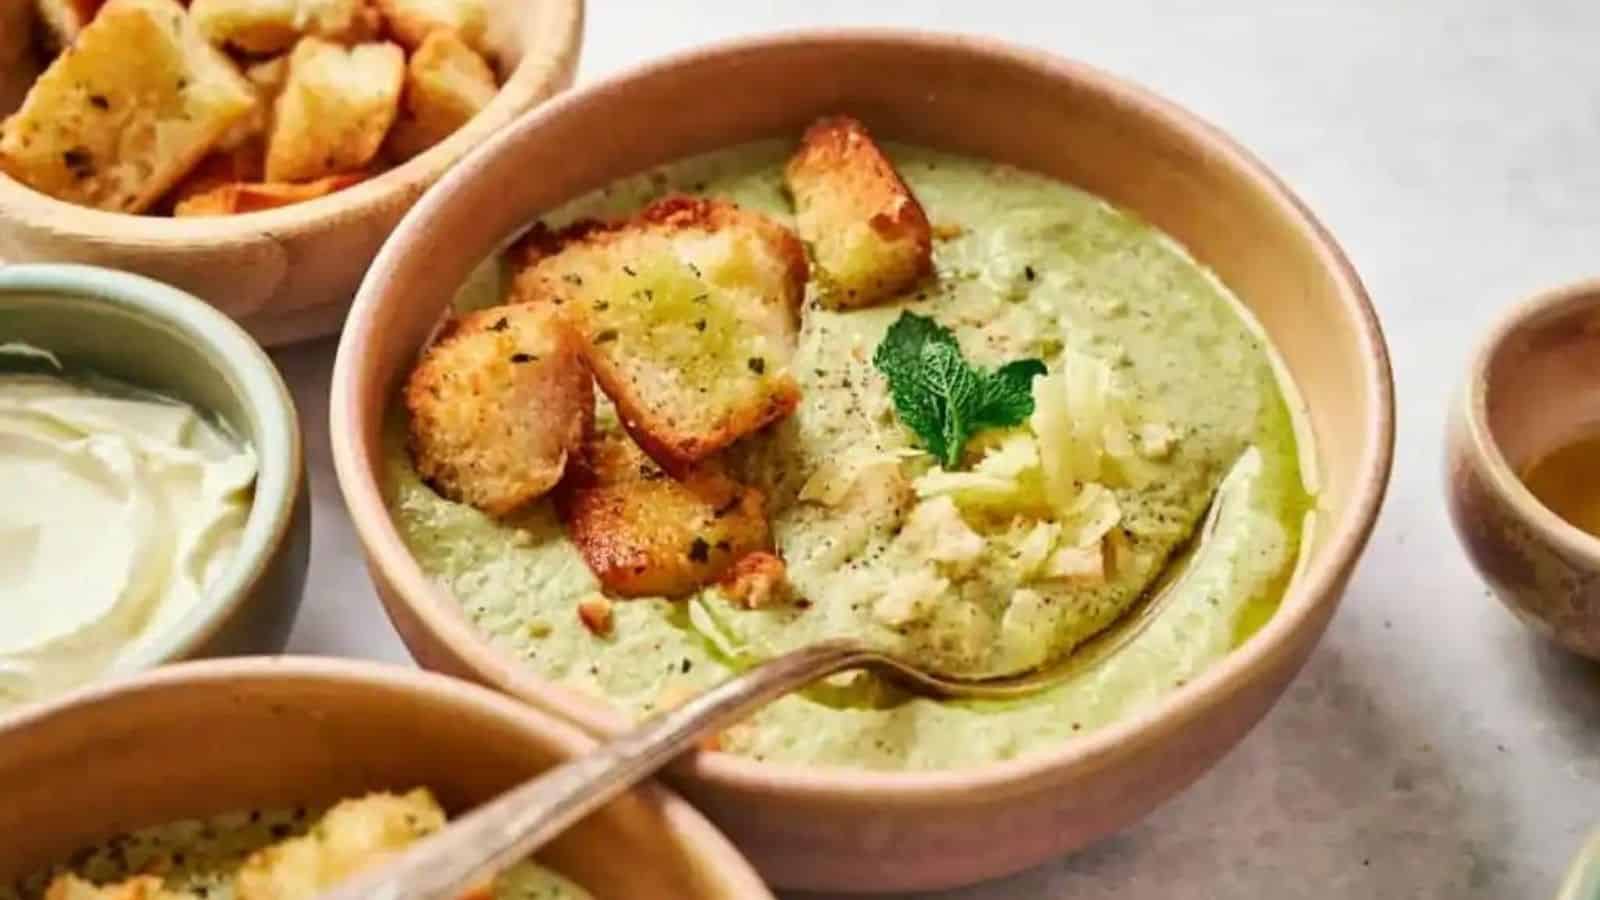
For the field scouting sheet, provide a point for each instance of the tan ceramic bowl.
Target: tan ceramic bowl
(205, 738)
(289, 274)
(855, 830)
(1533, 385)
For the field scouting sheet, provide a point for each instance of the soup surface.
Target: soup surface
(1148, 349)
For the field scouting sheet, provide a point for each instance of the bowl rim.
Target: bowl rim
(1500, 477)
(255, 381)
(702, 841)
(1315, 588)
(552, 42)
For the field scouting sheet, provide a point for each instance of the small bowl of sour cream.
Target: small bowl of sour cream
(153, 502)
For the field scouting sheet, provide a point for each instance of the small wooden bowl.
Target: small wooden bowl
(845, 829)
(1533, 385)
(200, 739)
(289, 274)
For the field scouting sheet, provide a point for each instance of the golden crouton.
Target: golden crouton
(334, 110)
(271, 26)
(447, 83)
(689, 313)
(125, 112)
(498, 405)
(647, 534)
(411, 21)
(233, 199)
(868, 234)
(352, 836)
(143, 887)
(268, 78)
(64, 20)
(757, 581)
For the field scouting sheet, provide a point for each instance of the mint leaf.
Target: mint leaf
(942, 397)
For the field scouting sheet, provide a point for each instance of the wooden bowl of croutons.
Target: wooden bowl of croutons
(255, 153)
(236, 777)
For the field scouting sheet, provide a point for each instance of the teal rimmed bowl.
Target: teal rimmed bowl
(153, 336)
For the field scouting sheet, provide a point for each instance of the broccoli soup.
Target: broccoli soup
(992, 413)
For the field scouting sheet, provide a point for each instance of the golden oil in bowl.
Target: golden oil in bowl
(1567, 481)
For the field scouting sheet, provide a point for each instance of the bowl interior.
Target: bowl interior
(152, 336)
(1540, 378)
(1044, 114)
(208, 738)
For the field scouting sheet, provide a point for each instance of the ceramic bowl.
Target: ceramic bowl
(290, 732)
(157, 337)
(1533, 385)
(289, 274)
(840, 829)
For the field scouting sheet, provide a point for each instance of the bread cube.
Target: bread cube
(335, 110)
(127, 111)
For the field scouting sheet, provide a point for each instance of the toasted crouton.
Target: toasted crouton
(868, 234)
(142, 887)
(272, 26)
(447, 83)
(690, 314)
(498, 405)
(126, 112)
(411, 21)
(352, 836)
(236, 198)
(757, 581)
(647, 534)
(64, 20)
(335, 109)
(267, 78)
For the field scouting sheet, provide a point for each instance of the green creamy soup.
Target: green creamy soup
(200, 856)
(1163, 360)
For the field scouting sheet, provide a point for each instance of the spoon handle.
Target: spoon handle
(501, 833)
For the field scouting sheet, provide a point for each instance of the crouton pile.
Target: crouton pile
(686, 315)
(352, 836)
(236, 106)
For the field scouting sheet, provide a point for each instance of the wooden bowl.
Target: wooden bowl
(839, 829)
(289, 274)
(201, 739)
(1533, 385)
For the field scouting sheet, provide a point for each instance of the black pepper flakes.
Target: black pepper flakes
(700, 551)
(757, 365)
(700, 325)
(79, 161)
(606, 336)
(1028, 273)
(630, 271)
(522, 357)
(99, 101)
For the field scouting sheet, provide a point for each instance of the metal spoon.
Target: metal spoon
(505, 831)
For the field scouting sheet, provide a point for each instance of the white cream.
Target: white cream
(116, 514)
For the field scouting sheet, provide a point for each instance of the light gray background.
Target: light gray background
(1432, 748)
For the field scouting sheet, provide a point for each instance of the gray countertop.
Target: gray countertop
(1432, 748)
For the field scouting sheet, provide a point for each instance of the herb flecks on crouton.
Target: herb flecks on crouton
(647, 534)
(499, 405)
(689, 313)
(125, 112)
